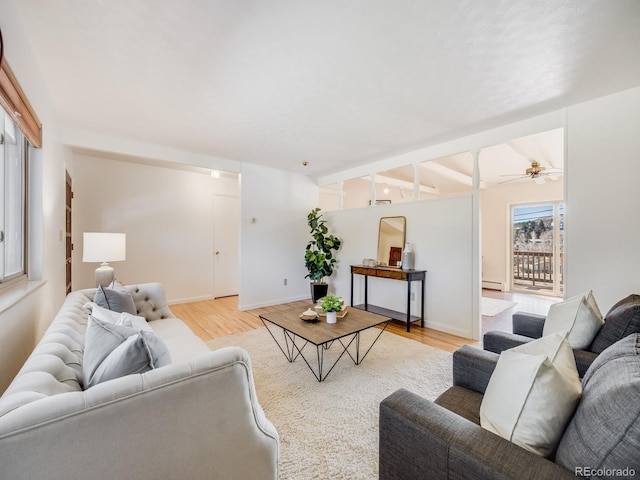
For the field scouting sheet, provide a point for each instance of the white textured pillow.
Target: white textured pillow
(532, 394)
(112, 351)
(118, 318)
(579, 316)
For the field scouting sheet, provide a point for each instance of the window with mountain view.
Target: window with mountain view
(538, 247)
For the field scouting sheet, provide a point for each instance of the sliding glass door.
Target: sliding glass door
(537, 253)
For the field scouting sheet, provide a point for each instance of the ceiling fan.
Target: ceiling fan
(536, 172)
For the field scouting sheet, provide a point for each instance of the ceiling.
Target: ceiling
(332, 83)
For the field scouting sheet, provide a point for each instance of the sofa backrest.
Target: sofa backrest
(604, 433)
(55, 365)
(622, 320)
(149, 299)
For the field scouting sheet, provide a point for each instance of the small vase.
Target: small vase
(331, 317)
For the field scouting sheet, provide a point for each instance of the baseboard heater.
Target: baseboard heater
(491, 285)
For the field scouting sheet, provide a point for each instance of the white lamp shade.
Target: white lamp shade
(103, 247)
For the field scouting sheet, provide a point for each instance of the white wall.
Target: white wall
(273, 235)
(495, 205)
(605, 257)
(167, 215)
(441, 234)
(603, 199)
(22, 323)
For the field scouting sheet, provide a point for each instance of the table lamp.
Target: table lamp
(104, 248)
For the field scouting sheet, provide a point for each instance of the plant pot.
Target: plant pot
(331, 317)
(318, 290)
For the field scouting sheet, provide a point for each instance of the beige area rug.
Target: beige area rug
(330, 429)
(492, 306)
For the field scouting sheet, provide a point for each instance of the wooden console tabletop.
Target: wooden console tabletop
(393, 274)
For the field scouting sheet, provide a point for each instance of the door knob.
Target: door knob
(217, 252)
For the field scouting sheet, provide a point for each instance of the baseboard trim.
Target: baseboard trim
(176, 301)
(447, 329)
(269, 303)
(491, 285)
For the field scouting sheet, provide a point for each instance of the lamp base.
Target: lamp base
(104, 275)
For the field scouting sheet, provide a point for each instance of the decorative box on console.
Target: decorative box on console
(369, 262)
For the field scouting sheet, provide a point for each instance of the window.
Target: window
(538, 247)
(13, 172)
(19, 127)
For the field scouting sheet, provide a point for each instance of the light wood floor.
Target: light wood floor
(217, 318)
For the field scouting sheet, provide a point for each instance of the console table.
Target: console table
(392, 274)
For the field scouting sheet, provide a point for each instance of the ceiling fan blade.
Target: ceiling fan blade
(514, 179)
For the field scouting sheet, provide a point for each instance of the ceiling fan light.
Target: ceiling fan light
(538, 179)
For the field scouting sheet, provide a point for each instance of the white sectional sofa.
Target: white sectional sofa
(195, 418)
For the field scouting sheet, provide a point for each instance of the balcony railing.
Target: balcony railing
(533, 267)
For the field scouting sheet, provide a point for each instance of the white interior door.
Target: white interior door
(226, 238)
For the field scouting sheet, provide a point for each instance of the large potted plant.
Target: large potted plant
(318, 256)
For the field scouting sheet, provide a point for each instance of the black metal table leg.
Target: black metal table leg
(408, 304)
(422, 305)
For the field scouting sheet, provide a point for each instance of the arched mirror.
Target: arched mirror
(391, 239)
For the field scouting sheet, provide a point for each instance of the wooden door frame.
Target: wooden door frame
(68, 239)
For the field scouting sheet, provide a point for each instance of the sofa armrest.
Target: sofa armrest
(528, 324)
(472, 367)
(419, 439)
(498, 342)
(198, 419)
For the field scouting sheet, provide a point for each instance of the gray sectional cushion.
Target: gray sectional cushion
(604, 433)
(463, 402)
(622, 320)
(115, 300)
(112, 351)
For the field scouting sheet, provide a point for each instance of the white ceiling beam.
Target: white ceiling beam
(404, 184)
(450, 173)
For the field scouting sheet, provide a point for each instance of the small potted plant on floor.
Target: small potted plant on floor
(318, 256)
(331, 305)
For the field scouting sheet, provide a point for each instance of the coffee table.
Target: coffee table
(297, 334)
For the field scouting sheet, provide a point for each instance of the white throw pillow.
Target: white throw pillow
(579, 316)
(532, 394)
(118, 318)
(557, 349)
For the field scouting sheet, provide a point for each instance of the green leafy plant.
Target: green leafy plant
(318, 256)
(331, 303)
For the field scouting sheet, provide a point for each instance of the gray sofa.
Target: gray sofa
(621, 320)
(197, 417)
(421, 439)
